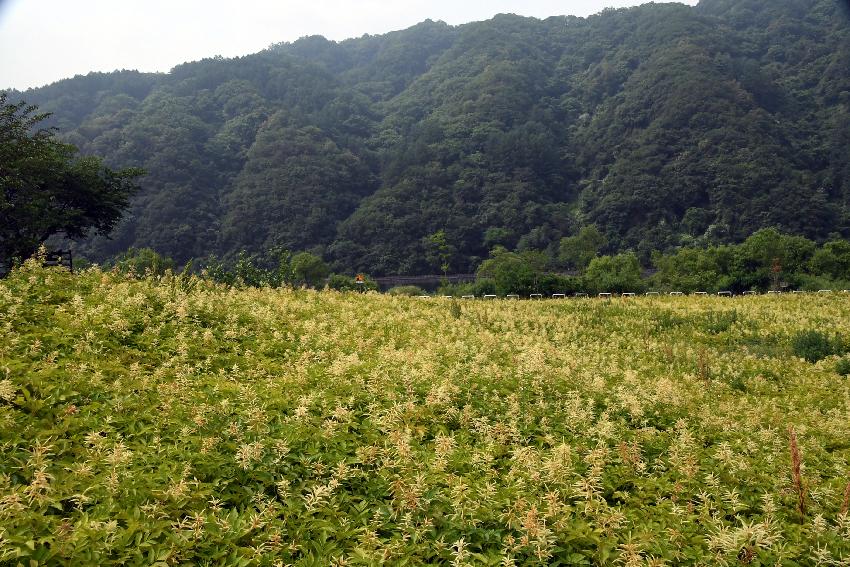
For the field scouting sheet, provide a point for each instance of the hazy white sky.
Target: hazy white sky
(42, 41)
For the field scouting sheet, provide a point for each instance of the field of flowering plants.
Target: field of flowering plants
(176, 421)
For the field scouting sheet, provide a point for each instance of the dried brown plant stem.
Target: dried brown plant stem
(796, 461)
(702, 365)
(846, 504)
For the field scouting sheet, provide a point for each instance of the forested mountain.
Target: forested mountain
(663, 125)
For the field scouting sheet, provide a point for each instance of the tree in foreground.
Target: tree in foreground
(47, 189)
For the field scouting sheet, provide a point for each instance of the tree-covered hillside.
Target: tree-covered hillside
(663, 125)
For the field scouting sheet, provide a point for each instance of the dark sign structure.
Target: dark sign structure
(59, 258)
(52, 258)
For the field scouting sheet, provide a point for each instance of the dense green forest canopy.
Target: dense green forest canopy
(662, 125)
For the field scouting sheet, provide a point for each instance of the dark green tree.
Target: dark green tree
(47, 189)
(309, 269)
(689, 269)
(513, 272)
(577, 251)
(832, 260)
(615, 274)
(438, 251)
(768, 256)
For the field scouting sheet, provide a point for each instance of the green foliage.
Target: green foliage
(614, 274)
(297, 184)
(576, 252)
(832, 260)
(340, 282)
(842, 367)
(716, 322)
(815, 282)
(309, 269)
(143, 262)
(406, 290)
(217, 271)
(47, 189)
(438, 251)
(554, 283)
(478, 288)
(278, 267)
(693, 269)
(813, 345)
(172, 420)
(513, 273)
(768, 254)
(662, 126)
(765, 260)
(247, 272)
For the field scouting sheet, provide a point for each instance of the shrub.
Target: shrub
(808, 282)
(813, 345)
(842, 367)
(665, 320)
(716, 322)
(341, 282)
(409, 290)
(217, 271)
(142, 262)
(274, 268)
(483, 286)
(247, 272)
(250, 270)
(553, 283)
